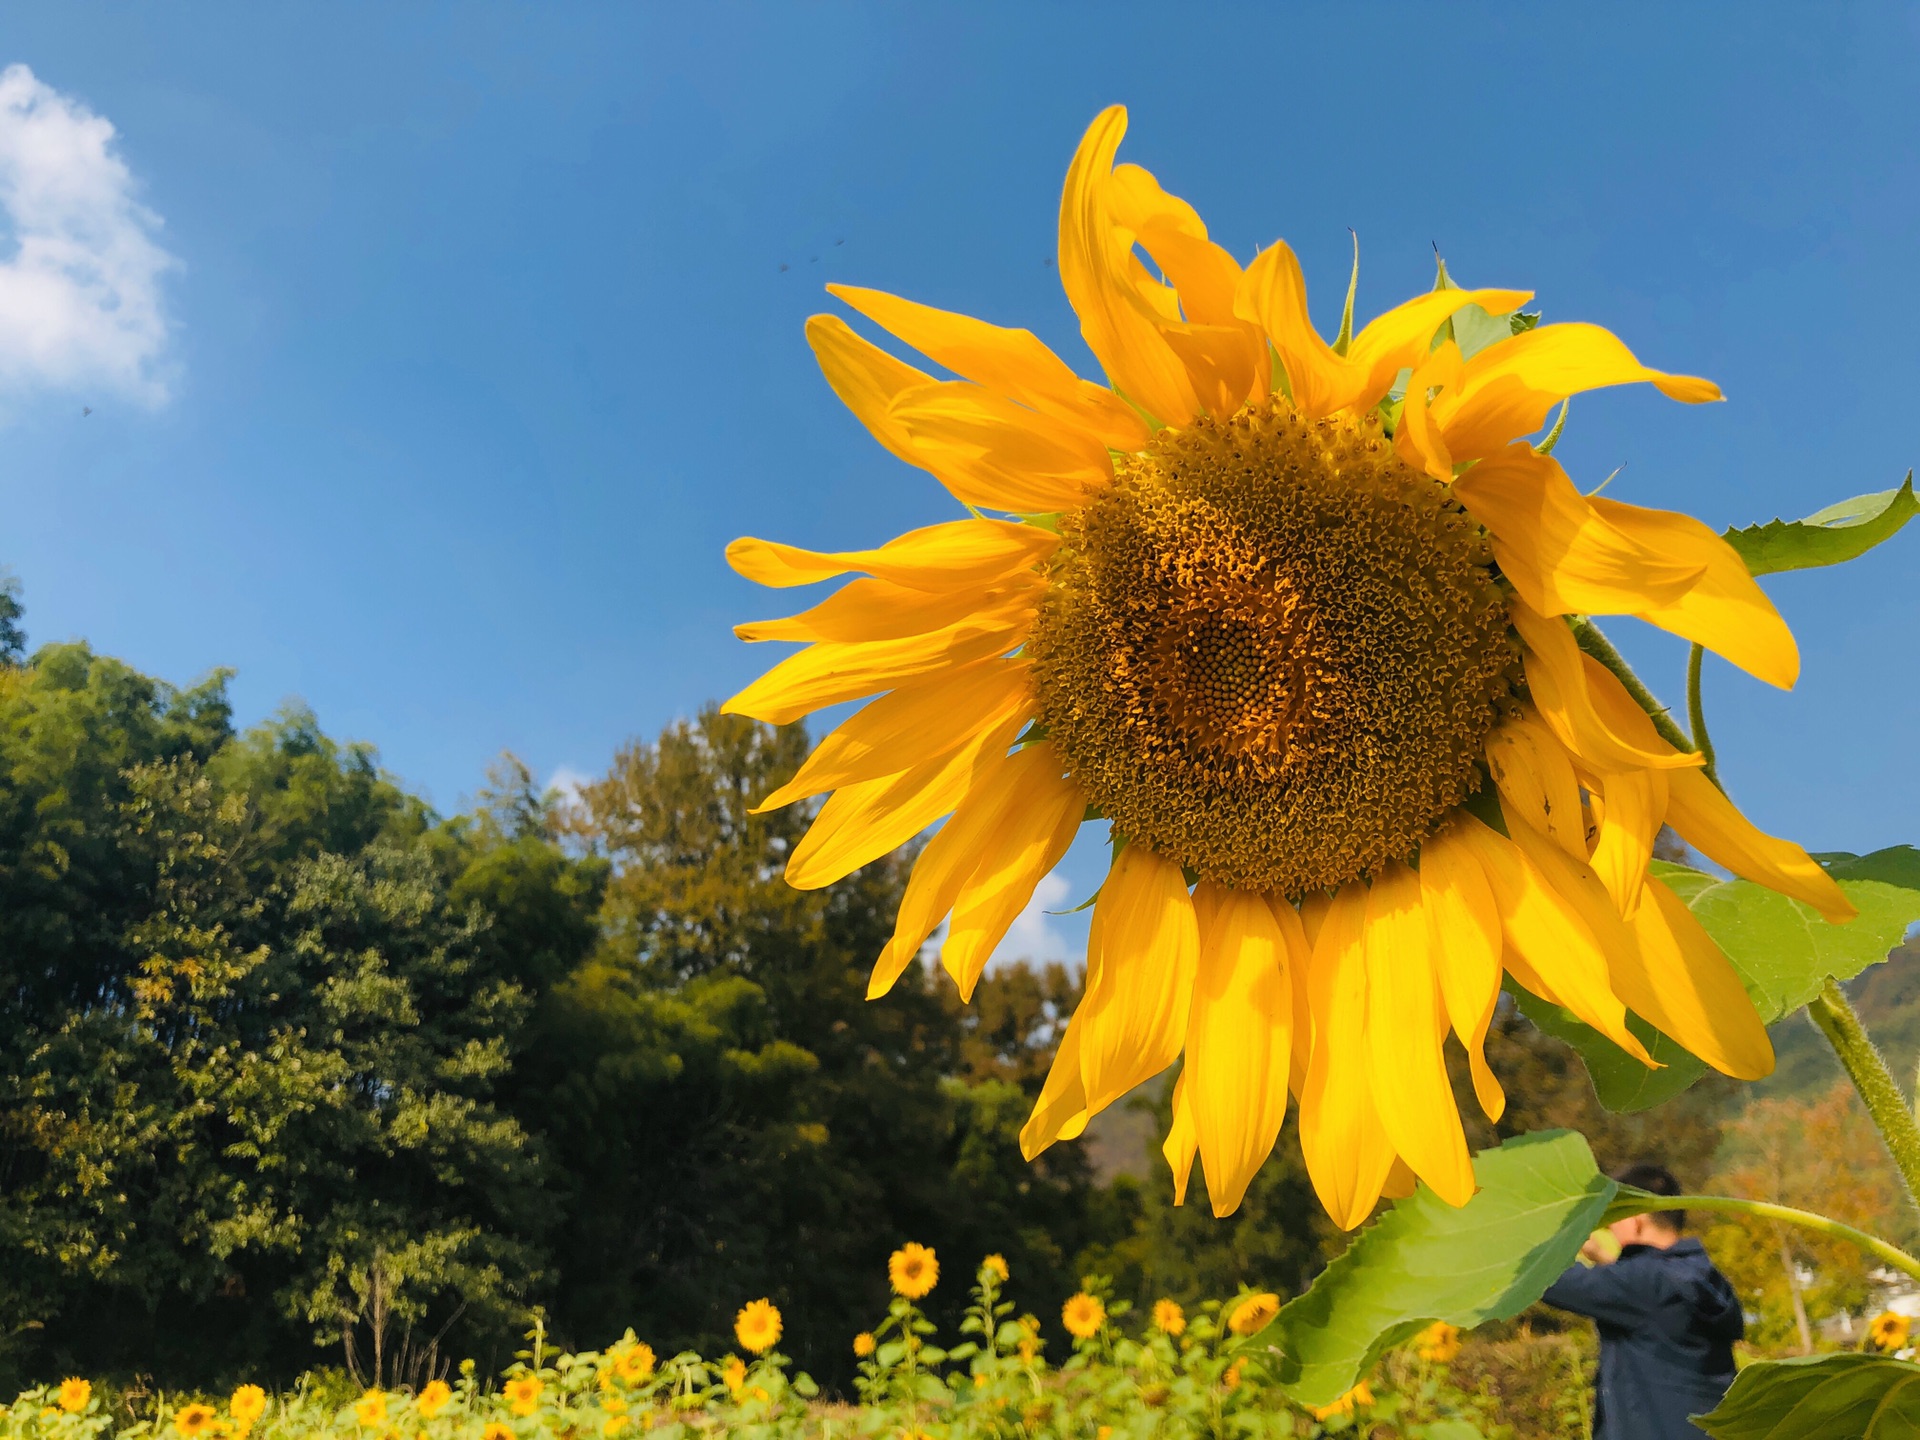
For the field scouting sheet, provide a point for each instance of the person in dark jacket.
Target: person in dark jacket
(1667, 1321)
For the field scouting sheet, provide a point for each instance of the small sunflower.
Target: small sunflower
(1083, 1315)
(757, 1326)
(497, 1430)
(1438, 1344)
(864, 1344)
(615, 1424)
(74, 1394)
(1889, 1330)
(1359, 1397)
(195, 1420)
(998, 1265)
(523, 1394)
(1253, 1314)
(1291, 617)
(1230, 1377)
(734, 1373)
(1169, 1318)
(633, 1363)
(913, 1271)
(434, 1397)
(371, 1408)
(249, 1402)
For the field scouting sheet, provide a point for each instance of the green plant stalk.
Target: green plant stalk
(1697, 716)
(1597, 645)
(1891, 1254)
(1867, 1068)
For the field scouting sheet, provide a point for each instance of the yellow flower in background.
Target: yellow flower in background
(633, 1363)
(496, 1430)
(998, 1265)
(1275, 608)
(913, 1271)
(523, 1393)
(615, 1424)
(1438, 1344)
(613, 1402)
(371, 1408)
(757, 1326)
(1888, 1331)
(434, 1397)
(248, 1403)
(193, 1421)
(1169, 1318)
(1083, 1315)
(864, 1344)
(1253, 1314)
(74, 1394)
(1359, 1396)
(734, 1373)
(1230, 1377)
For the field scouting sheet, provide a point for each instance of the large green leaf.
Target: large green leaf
(1821, 1397)
(1827, 537)
(1540, 1197)
(1783, 950)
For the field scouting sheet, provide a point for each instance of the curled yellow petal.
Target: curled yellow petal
(944, 557)
(1635, 807)
(1418, 440)
(1463, 929)
(1405, 1024)
(1536, 780)
(1725, 610)
(1575, 694)
(1508, 388)
(1679, 981)
(992, 452)
(1400, 338)
(1714, 826)
(1273, 295)
(1239, 1042)
(866, 378)
(1141, 953)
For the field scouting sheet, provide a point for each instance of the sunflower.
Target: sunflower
(734, 1373)
(434, 1397)
(1083, 1315)
(497, 1430)
(1438, 1344)
(249, 1402)
(371, 1408)
(1888, 1331)
(998, 1265)
(1253, 1314)
(1295, 619)
(523, 1394)
(864, 1344)
(757, 1326)
(1360, 1395)
(913, 1271)
(633, 1362)
(615, 1424)
(195, 1420)
(74, 1394)
(1168, 1317)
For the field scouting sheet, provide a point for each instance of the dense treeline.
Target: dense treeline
(294, 1071)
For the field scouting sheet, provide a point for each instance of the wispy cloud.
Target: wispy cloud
(1036, 935)
(569, 782)
(80, 295)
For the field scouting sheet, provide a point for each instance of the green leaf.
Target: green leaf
(1831, 536)
(1848, 1396)
(1540, 1197)
(1782, 949)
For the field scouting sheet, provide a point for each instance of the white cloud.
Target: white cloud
(569, 782)
(80, 303)
(1034, 935)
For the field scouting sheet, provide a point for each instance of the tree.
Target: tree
(13, 639)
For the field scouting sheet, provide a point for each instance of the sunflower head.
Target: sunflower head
(997, 1266)
(1083, 1315)
(74, 1394)
(1168, 1317)
(913, 1270)
(757, 1326)
(614, 1424)
(1438, 1344)
(434, 1397)
(249, 1402)
(864, 1344)
(633, 1363)
(193, 1421)
(371, 1408)
(497, 1430)
(523, 1394)
(1889, 1330)
(1253, 1314)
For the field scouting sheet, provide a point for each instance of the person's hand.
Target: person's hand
(1594, 1252)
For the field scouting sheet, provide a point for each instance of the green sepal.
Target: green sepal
(1831, 536)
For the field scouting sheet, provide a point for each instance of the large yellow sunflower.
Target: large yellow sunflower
(1277, 610)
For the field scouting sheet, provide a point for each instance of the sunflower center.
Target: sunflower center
(1272, 652)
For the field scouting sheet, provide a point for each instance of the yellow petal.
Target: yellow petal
(1299, 964)
(1678, 980)
(1273, 295)
(1141, 955)
(1239, 1042)
(1181, 1143)
(1118, 326)
(862, 822)
(951, 556)
(1509, 387)
(913, 724)
(1029, 841)
(1401, 1181)
(1536, 780)
(1463, 928)
(881, 610)
(1635, 808)
(1550, 947)
(1724, 610)
(992, 452)
(1013, 363)
(1405, 1024)
(1418, 440)
(1567, 688)
(826, 673)
(1346, 1149)
(1061, 1111)
(866, 378)
(1401, 338)
(1313, 914)
(1560, 552)
(1715, 827)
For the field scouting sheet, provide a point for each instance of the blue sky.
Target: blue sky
(464, 338)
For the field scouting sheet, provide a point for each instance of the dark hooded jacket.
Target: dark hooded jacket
(1667, 1322)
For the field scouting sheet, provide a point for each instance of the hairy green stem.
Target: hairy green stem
(1595, 644)
(1867, 1068)
(1893, 1255)
(1697, 716)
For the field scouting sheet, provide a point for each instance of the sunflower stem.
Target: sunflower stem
(1867, 1068)
(1806, 1219)
(1697, 716)
(1597, 645)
